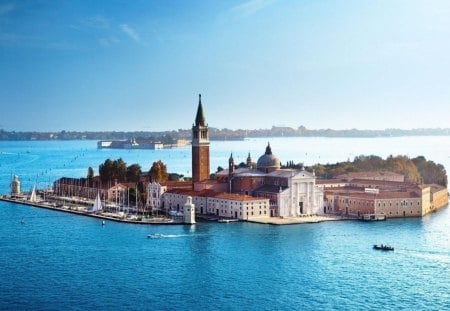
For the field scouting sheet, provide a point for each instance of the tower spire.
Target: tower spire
(249, 161)
(200, 146)
(268, 149)
(200, 117)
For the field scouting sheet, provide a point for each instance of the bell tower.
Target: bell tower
(200, 146)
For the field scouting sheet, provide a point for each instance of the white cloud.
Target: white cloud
(129, 31)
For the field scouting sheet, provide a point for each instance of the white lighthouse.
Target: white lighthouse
(189, 211)
(15, 186)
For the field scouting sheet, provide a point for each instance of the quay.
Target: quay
(307, 219)
(161, 220)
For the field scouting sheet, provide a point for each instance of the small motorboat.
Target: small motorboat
(383, 247)
(227, 220)
(155, 236)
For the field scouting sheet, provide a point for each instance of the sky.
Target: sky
(122, 65)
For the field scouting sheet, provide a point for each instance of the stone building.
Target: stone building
(218, 204)
(155, 192)
(390, 198)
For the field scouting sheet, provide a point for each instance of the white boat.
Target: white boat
(155, 236)
(227, 220)
(97, 205)
(33, 195)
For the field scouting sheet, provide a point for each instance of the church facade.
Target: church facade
(291, 192)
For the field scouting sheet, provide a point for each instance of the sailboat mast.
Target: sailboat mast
(136, 194)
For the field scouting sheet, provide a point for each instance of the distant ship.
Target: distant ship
(139, 143)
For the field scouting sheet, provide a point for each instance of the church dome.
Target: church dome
(268, 162)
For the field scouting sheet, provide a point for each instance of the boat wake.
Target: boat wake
(166, 236)
(432, 256)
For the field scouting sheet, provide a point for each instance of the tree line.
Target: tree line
(416, 170)
(118, 170)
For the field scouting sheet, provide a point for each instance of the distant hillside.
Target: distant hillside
(220, 134)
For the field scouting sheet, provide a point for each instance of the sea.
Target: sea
(57, 261)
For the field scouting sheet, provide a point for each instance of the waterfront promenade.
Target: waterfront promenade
(162, 220)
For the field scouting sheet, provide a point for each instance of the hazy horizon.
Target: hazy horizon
(231, 129)
(139, 66)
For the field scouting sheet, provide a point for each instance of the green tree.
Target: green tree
(403, 165)
(134, 173)
(119, 169)
(105, 170)
(431, 172)
(90, 173)
(90, 176)
(175, 176)
(158, 172)
(113, 170)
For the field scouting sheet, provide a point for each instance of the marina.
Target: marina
(83, 211)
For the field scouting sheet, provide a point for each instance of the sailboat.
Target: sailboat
(33, 195)
(97, 204)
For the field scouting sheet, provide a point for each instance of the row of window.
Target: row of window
(369, 203)
(405, 204)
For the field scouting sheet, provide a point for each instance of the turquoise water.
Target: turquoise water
(58, 261)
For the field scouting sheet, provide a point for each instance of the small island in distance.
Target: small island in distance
(171, 137)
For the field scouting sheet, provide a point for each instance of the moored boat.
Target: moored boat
(225, 220)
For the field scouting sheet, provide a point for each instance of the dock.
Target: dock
(373, 217)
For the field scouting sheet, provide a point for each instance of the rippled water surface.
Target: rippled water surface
(61, 261)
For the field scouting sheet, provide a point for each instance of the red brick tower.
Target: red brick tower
(200, 146)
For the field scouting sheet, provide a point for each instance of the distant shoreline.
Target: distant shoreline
(171, 137)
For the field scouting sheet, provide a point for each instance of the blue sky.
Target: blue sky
(139, 65)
